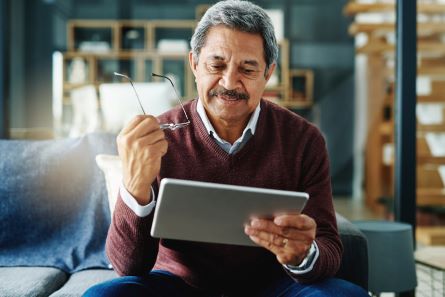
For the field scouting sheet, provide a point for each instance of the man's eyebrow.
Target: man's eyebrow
(251, 62)
(216, 57)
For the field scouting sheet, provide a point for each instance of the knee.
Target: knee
(342, 288)
(101, 290)
(121, 286)
(94, 291)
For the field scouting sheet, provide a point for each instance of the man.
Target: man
(234, 137)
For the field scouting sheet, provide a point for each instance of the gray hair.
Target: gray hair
(239, 15)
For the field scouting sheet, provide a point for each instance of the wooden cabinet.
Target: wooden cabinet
(301, 86)
(136, 49)
(131, 47)
(376, 42)
(98, 48)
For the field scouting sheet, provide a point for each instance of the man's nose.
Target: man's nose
(230, 79)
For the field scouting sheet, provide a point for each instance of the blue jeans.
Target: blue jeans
(164, 284)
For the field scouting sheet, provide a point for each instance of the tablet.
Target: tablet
(216, 213)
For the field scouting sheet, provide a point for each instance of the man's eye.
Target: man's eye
(250, 72)
(216, 67)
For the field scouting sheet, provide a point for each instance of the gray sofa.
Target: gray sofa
(54, 215)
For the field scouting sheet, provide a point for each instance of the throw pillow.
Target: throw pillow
(111, 166)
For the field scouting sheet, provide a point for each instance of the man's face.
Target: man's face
(230, 74)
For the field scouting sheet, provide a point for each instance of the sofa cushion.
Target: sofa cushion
(80, 281)
(53, 202)
(30, 281)
(111, 167)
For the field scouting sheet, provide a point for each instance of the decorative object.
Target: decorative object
(77, 71)
(94, 46)
(111, 167)
(173, 45)
(85, 111)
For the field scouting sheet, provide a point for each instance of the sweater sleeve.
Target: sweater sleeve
(316, 181)
(129, 246)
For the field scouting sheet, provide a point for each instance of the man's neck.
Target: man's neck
(225, 131)
(230, 132)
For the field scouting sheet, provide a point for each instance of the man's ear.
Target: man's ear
(193, 63)
(270, 71)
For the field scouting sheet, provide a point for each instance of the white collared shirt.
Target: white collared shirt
(225, 145)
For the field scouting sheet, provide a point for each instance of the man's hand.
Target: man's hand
(141, 145)
(288, 236)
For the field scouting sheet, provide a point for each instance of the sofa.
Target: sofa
(55, 212)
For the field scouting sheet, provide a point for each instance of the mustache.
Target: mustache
(232, 94)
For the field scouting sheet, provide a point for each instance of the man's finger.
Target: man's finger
(151, 138)
(273, 238)
(288, 231)
(263, 224)
(144, 127)
(301, 221)
(157, 149)
(276, 249)
(133, 123)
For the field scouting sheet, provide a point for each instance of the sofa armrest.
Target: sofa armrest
(354, 264)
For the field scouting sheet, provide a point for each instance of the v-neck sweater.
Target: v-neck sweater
(287, 152)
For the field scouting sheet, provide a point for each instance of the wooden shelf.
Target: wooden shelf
(434, 235)
(431, 159)
(430, 99)
(430, 197)
(301, 84)
(422, 28)
(104, 46)
(353, 8)
(382, 47)
(381, 55)
(437, 71)
(149, 51)
(431, 128)
(297, 105)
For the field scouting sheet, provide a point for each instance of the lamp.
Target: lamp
(390, 255)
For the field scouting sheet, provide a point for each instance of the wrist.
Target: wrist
(308, 261)
(140, 192)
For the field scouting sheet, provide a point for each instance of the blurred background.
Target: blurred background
(336, 68)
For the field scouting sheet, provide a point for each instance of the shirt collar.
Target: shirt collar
(251, 125)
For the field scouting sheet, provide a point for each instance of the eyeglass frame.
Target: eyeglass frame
(169, 126)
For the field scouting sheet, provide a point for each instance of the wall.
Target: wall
(4, 66)
(317, 31)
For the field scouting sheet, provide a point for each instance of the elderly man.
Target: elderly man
(234, 137)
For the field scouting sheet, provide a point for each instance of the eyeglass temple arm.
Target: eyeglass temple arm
(134, 89)
(176, 92)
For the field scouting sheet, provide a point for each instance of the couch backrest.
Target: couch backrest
(354, 263)
(53, 202)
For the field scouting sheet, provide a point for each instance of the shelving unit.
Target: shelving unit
(132, 49)
(139, 47)
(140, 61)
(379, 50)
(301, 87)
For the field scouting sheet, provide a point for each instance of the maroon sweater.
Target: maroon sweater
(286, 152)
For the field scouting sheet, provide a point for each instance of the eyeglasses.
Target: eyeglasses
(170, 126)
